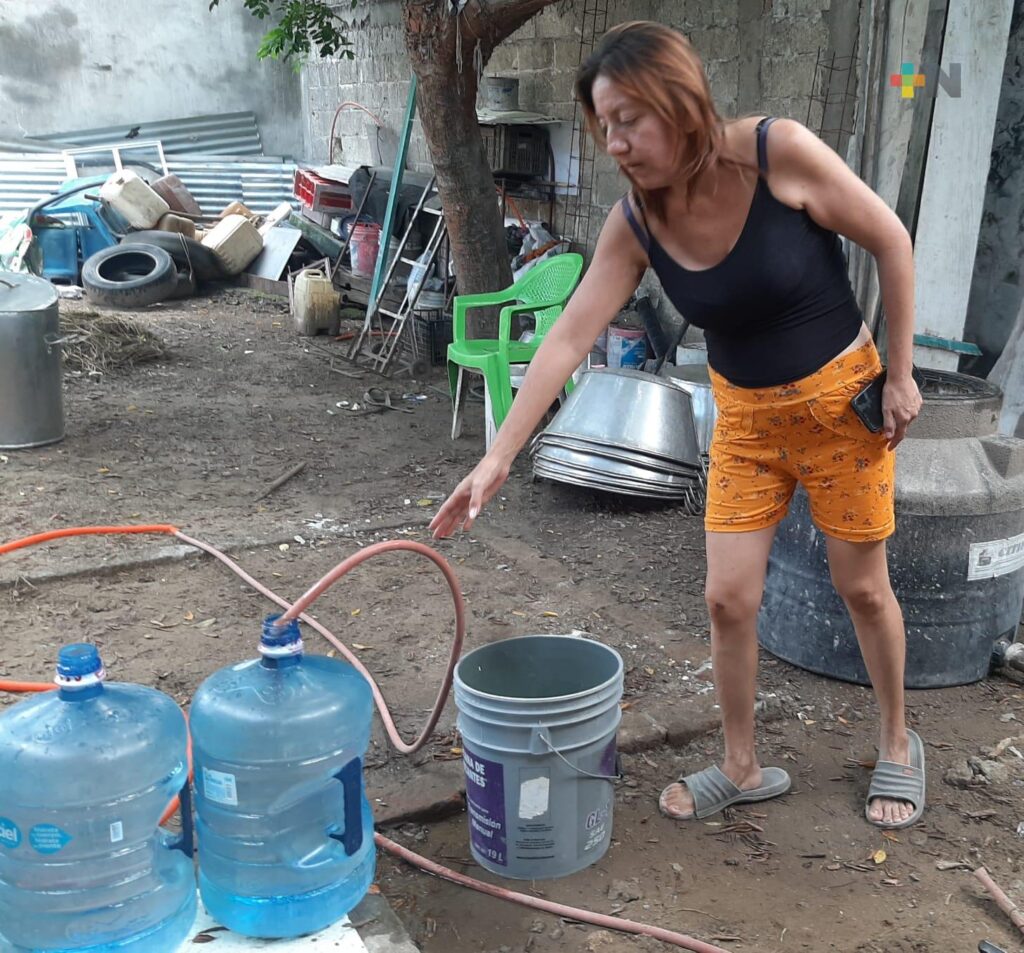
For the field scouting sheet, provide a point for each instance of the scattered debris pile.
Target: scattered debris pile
(95, 343)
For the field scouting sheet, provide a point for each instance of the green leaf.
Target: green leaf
(300, 25)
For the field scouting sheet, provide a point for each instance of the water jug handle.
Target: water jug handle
(351, 778)
(186, 841)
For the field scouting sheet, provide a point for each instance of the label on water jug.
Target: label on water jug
(116, 832)
(48, 839)
(220, 787)
(485, 799)
(10, 833)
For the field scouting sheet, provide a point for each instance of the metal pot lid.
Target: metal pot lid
(629, 372)
(691, 373)
(21, 293)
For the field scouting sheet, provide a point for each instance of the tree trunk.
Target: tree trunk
(446, 101)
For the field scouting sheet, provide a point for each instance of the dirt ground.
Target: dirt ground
(194, 438)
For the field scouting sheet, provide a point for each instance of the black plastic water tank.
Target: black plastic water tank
(956, 560)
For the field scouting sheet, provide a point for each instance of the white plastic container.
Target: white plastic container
(133, 199)
(235, 241)
(316, 305)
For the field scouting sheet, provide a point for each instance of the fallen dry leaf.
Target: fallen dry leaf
(549, 614)
(879, 856)
(356, 612)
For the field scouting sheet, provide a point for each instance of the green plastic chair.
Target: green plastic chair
(543, 290)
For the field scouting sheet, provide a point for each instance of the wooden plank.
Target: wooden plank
(959, 155)
(278, 245)
(1008, 373)
(908, 204)
(265, 285)
(878, 150)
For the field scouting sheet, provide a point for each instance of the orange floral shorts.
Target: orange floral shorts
(767, 440)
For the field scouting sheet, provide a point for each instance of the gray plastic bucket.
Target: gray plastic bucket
(538, 717)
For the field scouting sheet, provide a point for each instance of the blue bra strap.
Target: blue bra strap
(762, 143)
(638, 230)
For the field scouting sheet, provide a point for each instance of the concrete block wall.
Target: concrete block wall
(68, 65)
(760, 56)
(377, 78)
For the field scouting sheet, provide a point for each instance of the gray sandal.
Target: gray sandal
(712, 791)
(899, 782)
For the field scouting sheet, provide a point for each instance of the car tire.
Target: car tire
(186, 252)
(131, 277)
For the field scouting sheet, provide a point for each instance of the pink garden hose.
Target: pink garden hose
(298, 611)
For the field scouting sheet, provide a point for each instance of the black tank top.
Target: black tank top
(779, 306)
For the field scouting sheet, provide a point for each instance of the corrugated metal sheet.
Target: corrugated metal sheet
(260, 184)
(228, 134)
(215, 181)
(27, 177)
(28, 145)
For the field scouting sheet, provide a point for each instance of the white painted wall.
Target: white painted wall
(69, 64)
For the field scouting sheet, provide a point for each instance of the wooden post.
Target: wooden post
(959, 155)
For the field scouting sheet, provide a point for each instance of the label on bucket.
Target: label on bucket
(998, 557)
(626, 348)
(533, 798)
(485, 797)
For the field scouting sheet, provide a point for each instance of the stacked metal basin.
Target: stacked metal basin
(624, 431)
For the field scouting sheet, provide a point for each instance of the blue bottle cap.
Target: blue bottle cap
(277, 640)
(77, 660)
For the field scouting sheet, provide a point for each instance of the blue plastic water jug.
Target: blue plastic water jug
(85, 775)
(284, 829)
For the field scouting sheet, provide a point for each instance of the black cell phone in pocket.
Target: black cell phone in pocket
(867, 405)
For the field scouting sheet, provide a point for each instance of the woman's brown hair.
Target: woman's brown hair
(658, 66)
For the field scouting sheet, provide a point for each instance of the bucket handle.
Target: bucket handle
(351, 778)
(542, 735)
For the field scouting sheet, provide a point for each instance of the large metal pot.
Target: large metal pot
(696, 381)
(631, 410)
(31, 403)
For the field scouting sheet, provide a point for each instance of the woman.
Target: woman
(739, 219)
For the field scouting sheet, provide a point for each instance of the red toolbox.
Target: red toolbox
(319, 194)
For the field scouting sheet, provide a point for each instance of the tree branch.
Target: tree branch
(497, 19)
